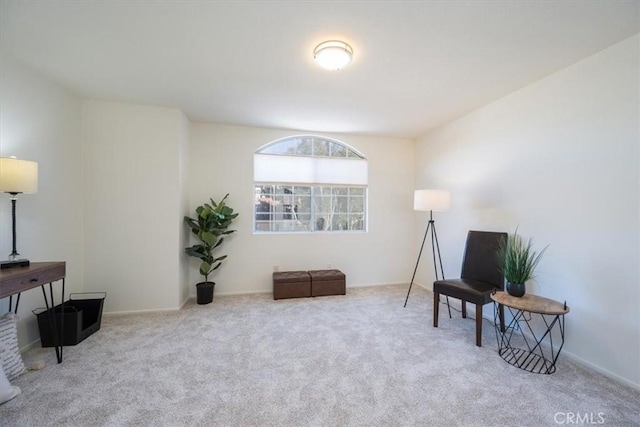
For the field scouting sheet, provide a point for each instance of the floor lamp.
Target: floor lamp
(430, 200)
(16, 177)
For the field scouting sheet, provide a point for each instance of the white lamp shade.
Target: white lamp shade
(431, 200)
(18, 176)
(333, 55)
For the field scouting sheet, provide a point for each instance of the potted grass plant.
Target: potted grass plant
(517, 261)
(210, 225)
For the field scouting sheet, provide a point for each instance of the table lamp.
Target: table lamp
(16, 177)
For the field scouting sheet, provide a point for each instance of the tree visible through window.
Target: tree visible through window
(309, 183)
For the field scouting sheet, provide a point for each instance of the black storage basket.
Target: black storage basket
(82, 317)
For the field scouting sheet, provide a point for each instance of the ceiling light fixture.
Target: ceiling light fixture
(333, 55)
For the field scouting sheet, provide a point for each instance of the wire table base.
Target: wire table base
(538, 352)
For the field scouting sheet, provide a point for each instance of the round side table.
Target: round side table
(537, 352)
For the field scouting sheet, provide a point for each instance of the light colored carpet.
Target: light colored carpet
(355, 360)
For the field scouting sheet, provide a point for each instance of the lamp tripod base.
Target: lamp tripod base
(14, 263)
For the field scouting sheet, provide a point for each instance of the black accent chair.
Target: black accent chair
(479, 278)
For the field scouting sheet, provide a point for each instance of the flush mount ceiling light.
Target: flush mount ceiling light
(333, 54)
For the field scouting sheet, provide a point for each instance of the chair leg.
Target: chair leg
(479, 325)
(464, 309)
(501, 314)
(436, 307)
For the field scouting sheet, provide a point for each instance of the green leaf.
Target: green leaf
(205, 268)
(219, 242)
(208, 237)
(223, 257)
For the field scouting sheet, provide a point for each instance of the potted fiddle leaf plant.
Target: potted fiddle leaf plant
(209, 225)
(517, 261)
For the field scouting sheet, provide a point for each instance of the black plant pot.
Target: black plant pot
(515, 289)
(204, 292)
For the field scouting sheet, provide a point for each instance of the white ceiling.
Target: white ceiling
(416, 64)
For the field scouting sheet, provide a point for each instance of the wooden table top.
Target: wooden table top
(531, 303)
(18, 279)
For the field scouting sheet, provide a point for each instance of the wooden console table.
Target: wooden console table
(540, 355)
(14, 281)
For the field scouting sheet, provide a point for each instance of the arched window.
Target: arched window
(309, 183)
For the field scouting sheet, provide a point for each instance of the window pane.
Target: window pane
(338, 150)
(356, 222)
(323, 204)
(341, 204)
(356, 204)
(302, 190)
(337, 222)
(284, 147)
(321, 148)
(340, 191)
(305, 147)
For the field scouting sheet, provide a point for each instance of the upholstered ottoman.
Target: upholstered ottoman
(291, 284)
(327, 282)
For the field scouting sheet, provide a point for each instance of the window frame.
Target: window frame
(270, 199)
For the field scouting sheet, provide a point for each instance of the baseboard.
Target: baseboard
(588, 365)
(222, 294)
(153, 310)
(600, 370)
(186, 300)
(370, 285)
(425, 287)
(32, 344)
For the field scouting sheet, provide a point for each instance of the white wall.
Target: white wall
(133, 204)
(559, 159)
(221, 162)
(40, 121)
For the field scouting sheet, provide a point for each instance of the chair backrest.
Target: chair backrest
(480, 257)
